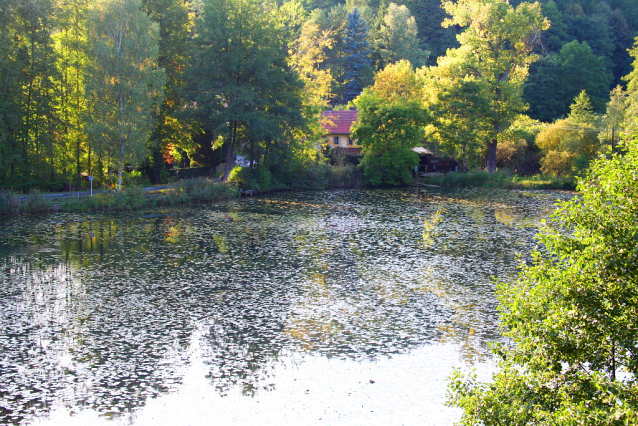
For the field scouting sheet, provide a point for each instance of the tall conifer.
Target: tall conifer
(358, 50)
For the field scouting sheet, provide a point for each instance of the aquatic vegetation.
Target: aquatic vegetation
(106, 311)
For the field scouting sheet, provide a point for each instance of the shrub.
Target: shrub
(501, 179)
(35, 202)
(199, 191)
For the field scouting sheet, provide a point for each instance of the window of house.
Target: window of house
(349, 141)
(336, 140)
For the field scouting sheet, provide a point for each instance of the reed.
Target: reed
(500, 179)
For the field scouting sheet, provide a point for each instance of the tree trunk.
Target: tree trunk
(78, 166)
(119, 172)
(490, 161)
(230, 151)
(464, 158)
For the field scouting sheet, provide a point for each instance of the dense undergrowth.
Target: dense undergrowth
(258, 179)
(316, 176)
(191, 191)
(500, 179)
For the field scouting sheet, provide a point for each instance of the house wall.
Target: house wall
(343, 141)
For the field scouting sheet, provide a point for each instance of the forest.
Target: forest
(125, 90)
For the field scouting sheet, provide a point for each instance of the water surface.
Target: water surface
(335, 307)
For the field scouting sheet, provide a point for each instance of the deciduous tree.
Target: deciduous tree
(240, 80)
(496, 50)
(124, 83)
(571, 315)
(389, 124)
(397, 38)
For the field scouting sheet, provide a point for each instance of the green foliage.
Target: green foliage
(570, 315)
(172, 130)
(16, 204)
(500, 179)
(125, 85)
(397, 38)
(201, 190)
(569, 145)
(581, 111)
(258, 178)
(245, 61)
(632, 90)
(186, 191)
(496, 50)
(613, 121)
(582, 70)
(557, 79)
(317, 175)
(517, 150)
(27, 101)
(388, 132)
(357, 61)
(459, 126)
(240, 79)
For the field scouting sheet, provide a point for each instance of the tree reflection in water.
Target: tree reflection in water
(104, 312)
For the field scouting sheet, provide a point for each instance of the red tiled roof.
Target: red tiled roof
(339, 122)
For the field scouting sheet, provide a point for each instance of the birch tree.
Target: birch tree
(124, 82)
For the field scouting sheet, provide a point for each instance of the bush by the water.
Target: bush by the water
(315, 176)
(12, 203)
(197, 191)
(188, 191)
(124, 200)
(501, 179)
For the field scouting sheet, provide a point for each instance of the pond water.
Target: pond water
(335, 307)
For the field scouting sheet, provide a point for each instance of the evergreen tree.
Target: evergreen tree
(581, 111)
(357, 49)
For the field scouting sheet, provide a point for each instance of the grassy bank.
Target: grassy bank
(191, 191)
(499, 180)
(315, 177)
(202, 190)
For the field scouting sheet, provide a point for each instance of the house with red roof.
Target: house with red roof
(338, 125)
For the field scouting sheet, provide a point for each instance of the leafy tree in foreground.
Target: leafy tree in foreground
(632, 88)
(572, 315)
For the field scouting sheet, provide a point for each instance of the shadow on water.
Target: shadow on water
(105, 312)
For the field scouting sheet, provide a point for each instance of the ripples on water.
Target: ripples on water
(103, 314)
